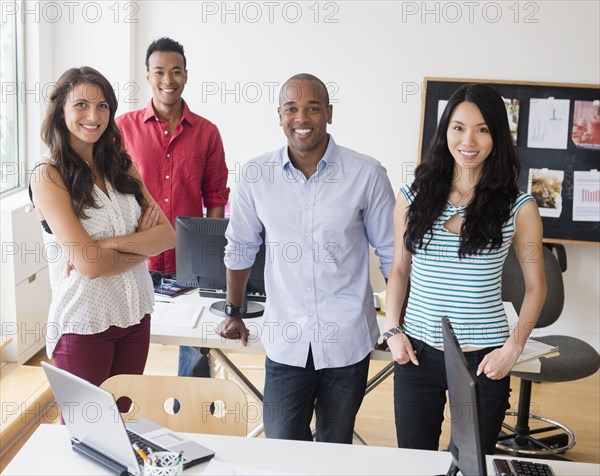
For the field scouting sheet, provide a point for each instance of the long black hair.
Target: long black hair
(495, 192)
(110, 158)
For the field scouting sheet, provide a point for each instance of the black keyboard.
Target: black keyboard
(531, 469)
(503, 467)
(143, 444)
(209, 293)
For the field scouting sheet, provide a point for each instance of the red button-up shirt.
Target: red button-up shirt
(181, 171)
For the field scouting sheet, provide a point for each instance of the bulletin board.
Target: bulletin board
(556, 128)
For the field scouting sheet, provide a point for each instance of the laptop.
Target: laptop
(98, 430)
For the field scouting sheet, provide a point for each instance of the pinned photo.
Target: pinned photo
(586, 125)
(546, 187)
(512, 111)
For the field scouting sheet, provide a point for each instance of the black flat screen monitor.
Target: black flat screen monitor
(199, 255)
(466, 445)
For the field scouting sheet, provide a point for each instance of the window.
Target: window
(11, 154)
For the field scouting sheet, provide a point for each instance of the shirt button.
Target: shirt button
(166, 199)
(310, 314)
(307, 207)
(167, 177)
(166, 132)
(308, 288)
(306, 262)
(168, 155)
(305, 234)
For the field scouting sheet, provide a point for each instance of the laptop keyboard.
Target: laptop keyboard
(531, 469)
(143, 444)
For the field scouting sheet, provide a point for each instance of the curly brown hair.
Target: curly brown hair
(109, 157)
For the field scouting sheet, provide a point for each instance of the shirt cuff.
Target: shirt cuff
(215, 199)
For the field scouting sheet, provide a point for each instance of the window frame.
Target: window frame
(20, 111)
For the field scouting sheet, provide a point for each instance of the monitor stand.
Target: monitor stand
(253, 309)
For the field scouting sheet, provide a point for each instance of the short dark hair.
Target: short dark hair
(322, 92)
(165, 44)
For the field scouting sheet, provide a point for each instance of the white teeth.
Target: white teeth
(91, 128)
(468, 154)
(168, 90)
(303, 131)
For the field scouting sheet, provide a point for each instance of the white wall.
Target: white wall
(374, 54)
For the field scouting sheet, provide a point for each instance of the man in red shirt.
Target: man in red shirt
(180, 157)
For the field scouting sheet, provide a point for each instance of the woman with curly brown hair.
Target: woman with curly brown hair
(100, 226)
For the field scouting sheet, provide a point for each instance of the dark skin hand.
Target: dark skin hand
(233, 327)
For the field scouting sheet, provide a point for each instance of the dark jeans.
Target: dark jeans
(193, 362)
(292, 393)
(420, 396)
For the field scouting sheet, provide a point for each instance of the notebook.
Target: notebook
(98, 430)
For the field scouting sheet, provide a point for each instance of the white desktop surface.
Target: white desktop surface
(48, 452)
(205, 332)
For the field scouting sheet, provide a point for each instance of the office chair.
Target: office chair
(577, 360)
(206, 405)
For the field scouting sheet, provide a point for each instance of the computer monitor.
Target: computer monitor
(199, 255)
(466, 445)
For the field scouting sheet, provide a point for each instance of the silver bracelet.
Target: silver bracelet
(392, 332)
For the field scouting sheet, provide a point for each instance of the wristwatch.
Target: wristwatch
(231, 310)
(392, 332)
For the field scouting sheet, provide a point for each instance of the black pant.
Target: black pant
(420, 396)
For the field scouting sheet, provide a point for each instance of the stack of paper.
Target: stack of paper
(529, 360)
(172, 313)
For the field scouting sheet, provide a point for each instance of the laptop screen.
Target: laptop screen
(92, 417)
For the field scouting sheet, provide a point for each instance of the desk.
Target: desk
(205, 332)
(205, 335)
(48, 452)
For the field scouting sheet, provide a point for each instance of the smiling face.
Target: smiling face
(469, 138)
(167, 77)
(86, 114)
(304, 115)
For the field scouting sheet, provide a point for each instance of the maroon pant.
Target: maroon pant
(96, 357)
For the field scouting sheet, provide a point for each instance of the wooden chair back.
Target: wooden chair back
(206, 405)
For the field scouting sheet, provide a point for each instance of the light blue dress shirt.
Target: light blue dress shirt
(317, 236)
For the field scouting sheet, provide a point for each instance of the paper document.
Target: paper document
(529, 360)
(171, 313)
(586, 196)
(534, 349)
(533, 366)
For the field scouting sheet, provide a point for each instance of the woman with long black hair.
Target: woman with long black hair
(453, 227)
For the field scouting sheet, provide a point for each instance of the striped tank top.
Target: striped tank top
(466, 290)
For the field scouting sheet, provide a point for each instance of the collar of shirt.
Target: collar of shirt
(150, 113)
(328, 157)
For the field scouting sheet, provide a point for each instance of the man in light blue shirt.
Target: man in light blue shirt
(320, 205)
